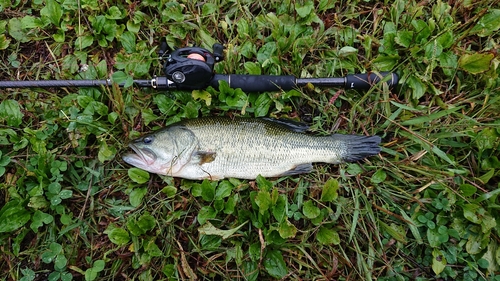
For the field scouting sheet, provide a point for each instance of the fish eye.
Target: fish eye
(147, 140)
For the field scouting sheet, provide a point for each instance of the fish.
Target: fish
(215, 148)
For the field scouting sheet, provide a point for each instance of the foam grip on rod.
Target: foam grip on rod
(367, 80)
(256, 83)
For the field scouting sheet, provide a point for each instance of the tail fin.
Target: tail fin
(359, 147)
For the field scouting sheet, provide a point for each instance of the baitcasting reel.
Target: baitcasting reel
(191, 67)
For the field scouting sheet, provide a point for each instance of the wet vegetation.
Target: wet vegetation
(424, 209)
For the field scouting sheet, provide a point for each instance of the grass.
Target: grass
(425, 209)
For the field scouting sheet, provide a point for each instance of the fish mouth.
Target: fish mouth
(142, 156)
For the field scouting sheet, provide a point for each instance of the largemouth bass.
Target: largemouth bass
(217, 147)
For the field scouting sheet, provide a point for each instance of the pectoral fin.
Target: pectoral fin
(205, 156)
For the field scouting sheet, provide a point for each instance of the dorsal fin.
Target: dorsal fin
(295, 126)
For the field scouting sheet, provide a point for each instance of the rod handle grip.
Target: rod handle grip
(256, 83)
(365, 81)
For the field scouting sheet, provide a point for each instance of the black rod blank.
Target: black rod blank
(152, 83)
(53, 83)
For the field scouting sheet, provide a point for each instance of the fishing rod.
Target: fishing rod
(192, 68)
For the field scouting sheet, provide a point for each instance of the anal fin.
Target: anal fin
(299, 169)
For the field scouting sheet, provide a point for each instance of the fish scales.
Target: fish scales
(245, 148)
(258, 145)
